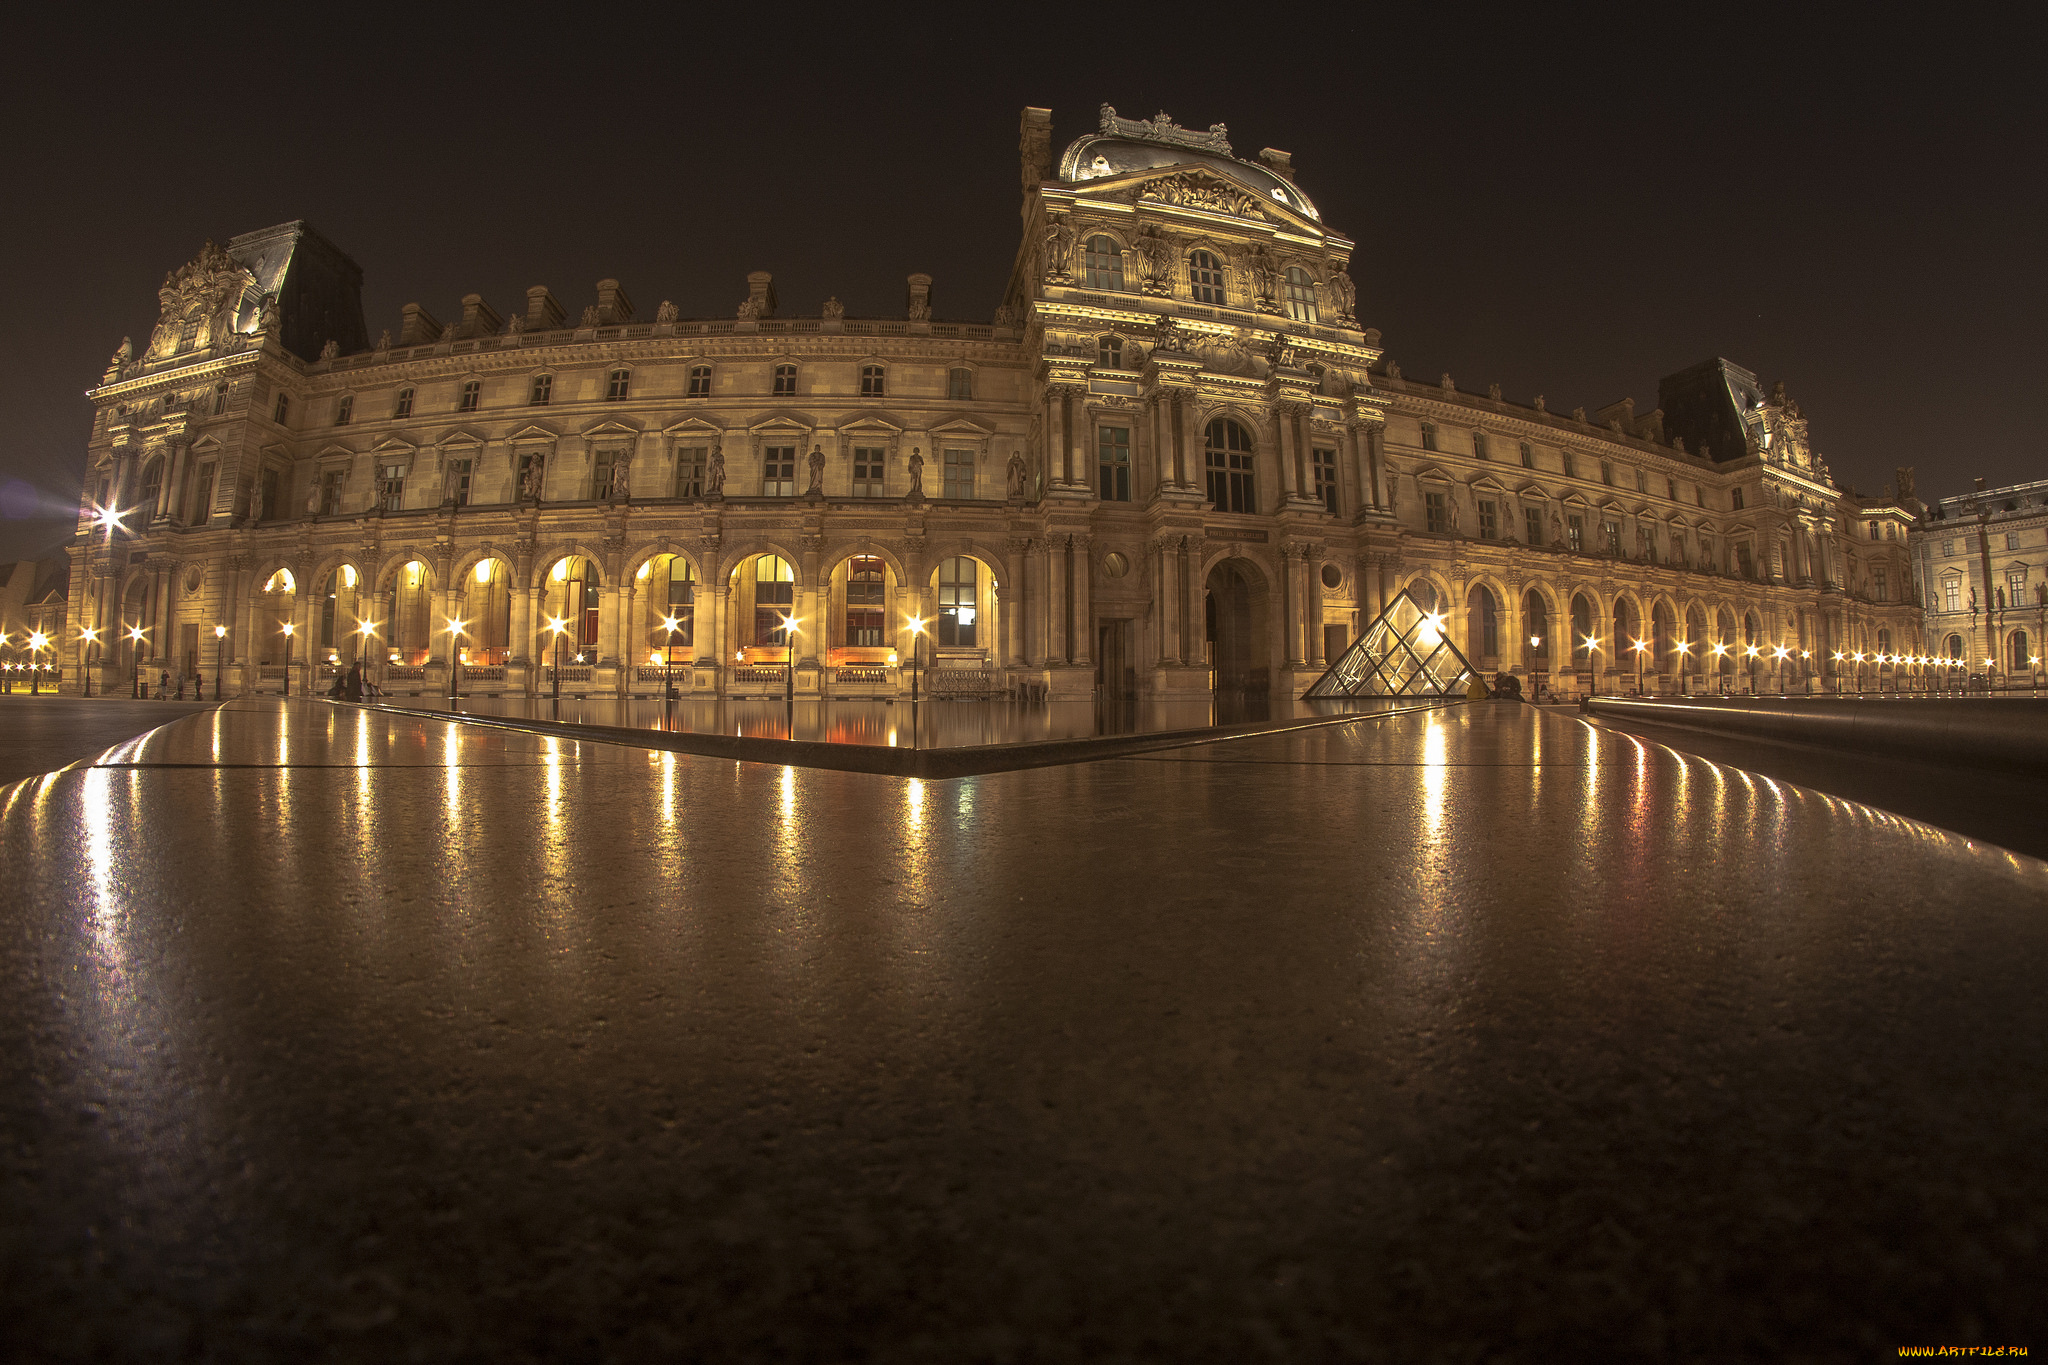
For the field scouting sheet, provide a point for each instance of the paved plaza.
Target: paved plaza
(1477, 1033)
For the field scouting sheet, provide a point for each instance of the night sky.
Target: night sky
(1572, 207)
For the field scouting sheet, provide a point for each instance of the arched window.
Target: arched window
(486, 613)
(1109, 352)
(1536, 620)
(1423, 594)
(774, 599)
(1103, 267)
(339, 623)
(1229, 460)
(2017, 657)
(785, 381)
(1696, 638)
(1627, 630)
(1205, 274)
(1583, 642)
(410, 631)
(957, 602)
(1953, 646)
(1299, 294)
(866, 594)
(671, 595)
(1664, 638)
(1483, 628)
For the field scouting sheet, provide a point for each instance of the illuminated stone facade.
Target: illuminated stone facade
(1174, 461)
(1982, 560)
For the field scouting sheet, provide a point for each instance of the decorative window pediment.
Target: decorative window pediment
(533, 431)
(782, 421)
(693, 426)
(610, 428)
(1431, 474)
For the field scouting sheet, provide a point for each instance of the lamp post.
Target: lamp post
(454, 660)
(1593, 648)
(289, 630)
(135, 634)
(916, 653)
(1720, 653)
(668, 671)
(1641, 647)
(88, 636)
(1780, 654)
(558, 626)
(1684, 648)
(789, 665)
(36, 641)
(1752, 653)
(220, 639)
(1806, 670)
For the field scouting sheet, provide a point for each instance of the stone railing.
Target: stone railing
(861, 677)
(570, 674)
(759, 673)
(962, 682)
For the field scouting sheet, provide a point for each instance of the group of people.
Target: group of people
(1506, 687)
(354, 684)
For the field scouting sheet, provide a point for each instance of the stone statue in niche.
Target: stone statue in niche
(1452, 504)
(1345, 294)
(266, 316)
(1556, 529)
(1999, 595)
(1264, 275)
(916, 493)
(1016, 476)
(666, 314)
(536, 474)
(1059, 248)
(817, 462)
(622, 475)
(714, 474)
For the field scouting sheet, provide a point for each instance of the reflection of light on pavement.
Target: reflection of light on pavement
(451, 760)
(1434, 779)
(551, 764)
(668, 792)
(216, 736)
(94, 803)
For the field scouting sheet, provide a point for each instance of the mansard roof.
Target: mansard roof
(1123, 145)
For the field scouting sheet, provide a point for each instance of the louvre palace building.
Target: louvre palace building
(1175, 462)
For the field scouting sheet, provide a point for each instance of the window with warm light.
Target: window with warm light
(1103, 264)
(958, 580)
(778, 472)
(1227, 455)
(867, 471)
(1205, 277)
(774, 599)
(1299, 295)
(1113, 463)
(865, 600)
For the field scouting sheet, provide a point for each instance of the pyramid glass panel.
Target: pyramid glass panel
(1403, 653)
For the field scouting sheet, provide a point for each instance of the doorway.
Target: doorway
(1116, 677)
(1236, 609)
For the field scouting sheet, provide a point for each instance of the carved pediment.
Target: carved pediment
(1200, 190)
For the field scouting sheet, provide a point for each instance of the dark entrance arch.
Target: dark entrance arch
(1236, 629)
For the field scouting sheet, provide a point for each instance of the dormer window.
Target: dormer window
(1109, 353)
(1300, 295)
(1104, 264)
(785, 381)
(619, 386)
(344, 409)
(543, 391)
(472, 395)
(700, 381)
(1205, 274)
(872, 381)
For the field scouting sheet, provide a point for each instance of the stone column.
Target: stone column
(1179, 420)
(711, 632)
(1165, 590)
(1315, 608)
(1006, 627)
(1194, 625)
(811, 598)
(1084, 607)
(1066, 436)
(1059, 607)
(519, 635)
(607, 624)
(1283, 431)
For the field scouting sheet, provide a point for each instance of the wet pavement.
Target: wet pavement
(1473, 1034)
(41, 734)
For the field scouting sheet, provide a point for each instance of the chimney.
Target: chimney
(614, 309)
(761, 292)
(1034, 146)
(543, 313)
(479, 319)
(418, 326)
(1278, 162)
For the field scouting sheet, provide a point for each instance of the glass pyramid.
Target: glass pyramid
(1403, 653)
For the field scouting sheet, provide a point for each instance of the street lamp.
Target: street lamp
(220, 638)
(1592, 648)
(789, 664)
(916, 653)
(668, 670)
(1752, 653)
(1684, 648)
(89, 636)
(289, 629)
(1806, 669)
(558, 626)
(135, 634)
(1640, 647)
(36, 641)
(454, 659)
(1781, 654)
